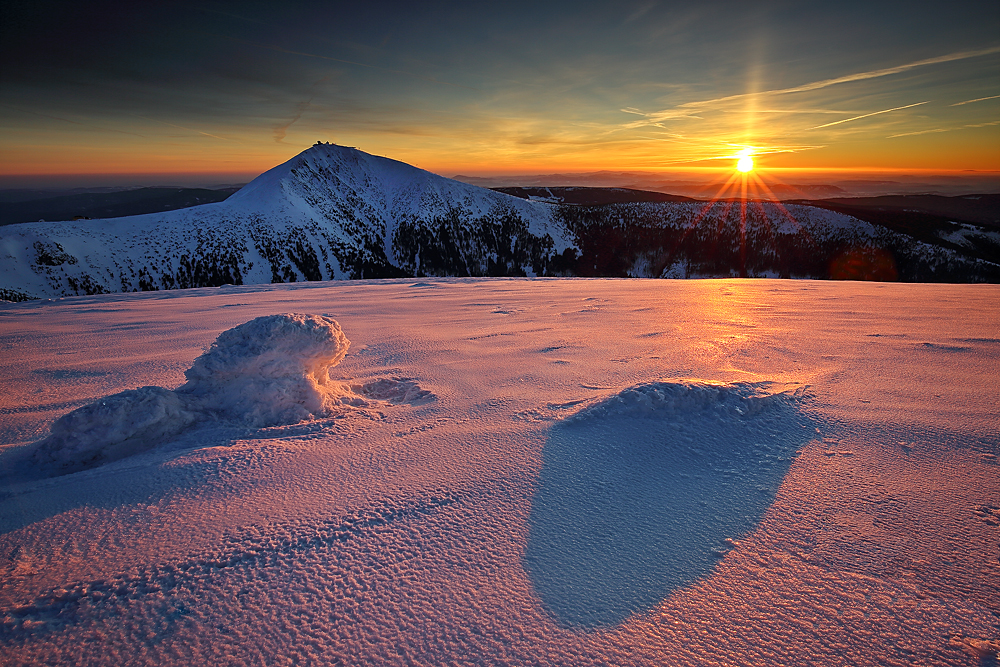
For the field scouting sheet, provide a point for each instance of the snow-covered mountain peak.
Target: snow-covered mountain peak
(327, 173)
(330, 212)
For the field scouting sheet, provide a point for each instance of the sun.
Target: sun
(745, 164)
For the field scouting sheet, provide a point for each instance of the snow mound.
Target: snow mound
(272, 370)
(644, 492)
(112, 428)
(684, 397)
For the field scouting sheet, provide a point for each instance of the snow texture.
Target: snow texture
(669, 398)
(269, 371)
(113, 428)
(613, 472)
(643, 492)
(272, 370)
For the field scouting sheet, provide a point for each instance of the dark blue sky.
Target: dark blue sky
(492, 87)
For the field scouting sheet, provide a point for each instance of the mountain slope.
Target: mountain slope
(330, 212)
(761, 239)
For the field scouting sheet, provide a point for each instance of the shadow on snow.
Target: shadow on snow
(639, 494)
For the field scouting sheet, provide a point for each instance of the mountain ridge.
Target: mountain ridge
(334, 212)
(330, 212)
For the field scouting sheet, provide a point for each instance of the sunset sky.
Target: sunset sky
(227, 90)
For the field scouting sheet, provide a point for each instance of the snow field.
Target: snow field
(269, 371)
(847, 518)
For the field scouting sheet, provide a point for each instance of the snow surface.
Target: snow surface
(966, 235)
(272, 370)
(576, 472)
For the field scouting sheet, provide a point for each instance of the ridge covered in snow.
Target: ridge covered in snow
(329, 213)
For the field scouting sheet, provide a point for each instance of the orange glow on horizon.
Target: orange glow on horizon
(249, 159)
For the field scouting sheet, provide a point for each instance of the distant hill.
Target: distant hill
(334, 212)
(587, 196)
(109, 204)
(979, 209)
(968, 223)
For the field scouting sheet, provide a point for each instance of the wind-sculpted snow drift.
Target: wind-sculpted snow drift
(269, 371)
(642, 493)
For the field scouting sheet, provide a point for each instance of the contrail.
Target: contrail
(874, 113)
(280, 131)
(862, 76)
(689, 107)
(911, 134)
(979, 99)
(74, 122)
(188, 129)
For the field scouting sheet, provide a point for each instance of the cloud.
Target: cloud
(74, 122)
(640, 12)
(686, 109)
(860, 76)
(181, 127)
(978, 99)
(837, 112)
(874, 113)
(281, 130)
(873, 74)
(656, 117)
(912, 134)
(942, 129)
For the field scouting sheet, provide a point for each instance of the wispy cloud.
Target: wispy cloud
(699, 144)
(913, 134)
(943, 129)
(188, 129)
(867, 115)
(657, 117)
(74, 122)
(858, 76)
(687, 109)
(640, 12)
(874, 74)
(978, 99)
(281, 130)
(836, 112)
